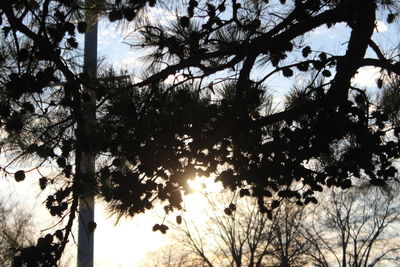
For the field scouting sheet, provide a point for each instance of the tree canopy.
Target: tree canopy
(215, 117)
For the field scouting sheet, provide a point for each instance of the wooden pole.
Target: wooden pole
(86, 202)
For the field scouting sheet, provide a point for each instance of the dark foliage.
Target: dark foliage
(152, 136)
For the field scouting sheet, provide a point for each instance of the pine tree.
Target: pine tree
(151, 136)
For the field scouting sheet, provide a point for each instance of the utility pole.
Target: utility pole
(86, 223)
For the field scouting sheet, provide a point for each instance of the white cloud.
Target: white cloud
(380, 26)
(366, 76)
(131, 61)
(161, 12)
(174, 78)
(108, 33)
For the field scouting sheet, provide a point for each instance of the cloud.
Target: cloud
(380, 26)
(174, 78)
(131, 62)
(366, 76)
(160, 15)
(336, 32)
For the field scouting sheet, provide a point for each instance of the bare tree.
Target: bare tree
(356, 228)
(236, 233)
(167, 132)
(167, 256)
(290, 246)
(349, 228)
(16, 230)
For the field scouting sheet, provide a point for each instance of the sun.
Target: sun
(205, 184)
(197, 184)
(196, 202)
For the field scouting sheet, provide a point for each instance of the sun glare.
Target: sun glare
(197, 201)
(205, 184)
(197, 185)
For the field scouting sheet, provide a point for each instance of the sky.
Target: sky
(132, 239)
(126, 244)
(114, 49)
(122, 244)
